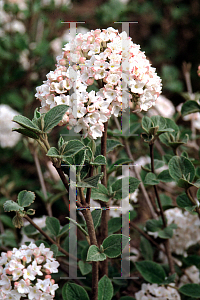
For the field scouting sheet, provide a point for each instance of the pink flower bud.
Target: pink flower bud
(52, 281)
(59, 78)
(47, 276)
(24, 258)
(90, 39)
(8, 272)
(90, 81)
(9, 254)
(62, 62)
(82, 60)
(66, 54)
(47, 271)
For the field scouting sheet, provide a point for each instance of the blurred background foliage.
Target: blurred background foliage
(32, 33)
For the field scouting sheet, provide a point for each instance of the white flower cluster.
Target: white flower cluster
(153, 291)
(113, 63)
(7, 137)
(191, 276)
(187, 232)
(163, 107)
(19, 270)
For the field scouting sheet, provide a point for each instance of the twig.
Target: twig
(137, 174)
(49, 238)
(93, 241)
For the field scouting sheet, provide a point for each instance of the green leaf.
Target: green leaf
(112, 144)
(30, 230)
(118, 164)
(94, 254)
(170, 279)
(96, 216)
(6, 220)
(54, 248)
(64, 230)
(54, 116)
(158, 121)
(27, 133)
(146, 123)
(26, 123)
(180, 167)
(114, 225)
(39, 242)
(190, 107)
(105, 289)
(154, 225)
(84, 267)
(78, 225)
(166, 201)
(191, 290)
(151, 179)
(114, 244)
(146, 248)
(99, 160)
(100, 194)
(53, 152)
(53, 225)
(10, 205)
(25, 198)
(72, 147)
(151, 271)
(130, 184)
(166, 233)
(183, 201)
(90, 182)
(72, 291)
(164, 176)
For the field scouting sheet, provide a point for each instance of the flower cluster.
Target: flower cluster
(153, 291)
(164, 107)
(7, 137)
(114, 65)
(187, 232)
(20, 268)
(191, 275)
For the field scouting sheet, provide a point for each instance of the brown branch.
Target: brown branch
(49, 238)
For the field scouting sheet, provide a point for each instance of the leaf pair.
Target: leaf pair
(41, 123)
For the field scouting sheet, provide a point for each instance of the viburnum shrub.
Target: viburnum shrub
(100, 75)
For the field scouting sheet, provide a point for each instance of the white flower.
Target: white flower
(187, 232)
(29, 273)
(52, 266)
(7, 137)
(153, 291)
(34, 293)
(22, 287)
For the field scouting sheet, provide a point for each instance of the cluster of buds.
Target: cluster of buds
(20, 270)
(117, 70)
